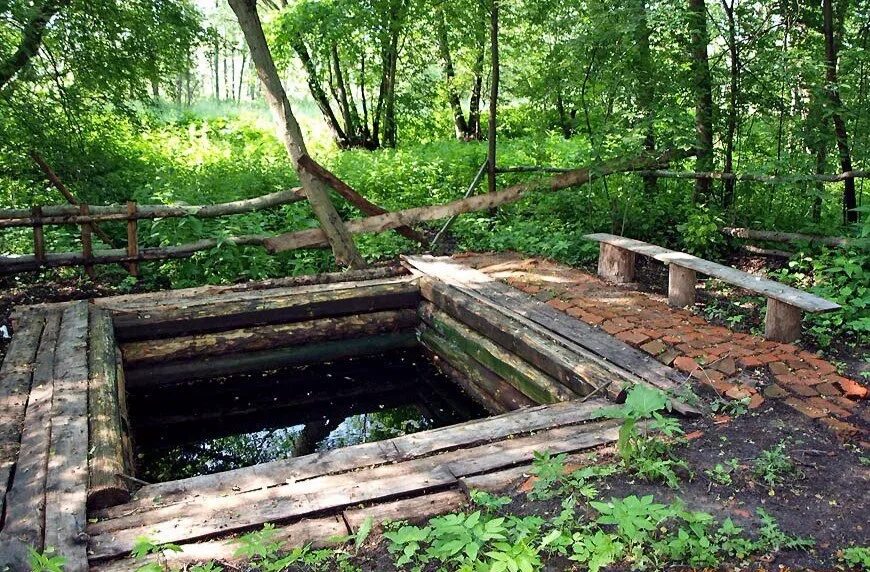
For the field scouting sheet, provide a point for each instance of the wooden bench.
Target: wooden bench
(784, 303)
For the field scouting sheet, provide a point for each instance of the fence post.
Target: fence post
(38, 235)
(87, 242)
(132, 239)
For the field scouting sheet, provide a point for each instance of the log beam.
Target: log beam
(616, 264)
(782, 322)
(681, 285)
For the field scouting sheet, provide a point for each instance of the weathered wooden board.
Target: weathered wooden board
(15, 377)
(201, 294)
(563, 329)
(765, 286)
(415, 509)
(137, 354)
(257, 309)
(317, 532)
(576, 371)
(107, 458)
(24, 521)
(222, 515)
(531, 382)
(215, 366)
(66, 485)
(406, 447)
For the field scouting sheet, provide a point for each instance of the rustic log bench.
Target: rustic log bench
(784, 303)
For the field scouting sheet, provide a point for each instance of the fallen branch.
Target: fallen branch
(353, 197)
(316, 237)
(775, 236)
(64, 214)
(758, 177)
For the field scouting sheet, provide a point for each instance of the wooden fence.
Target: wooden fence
(89, 217)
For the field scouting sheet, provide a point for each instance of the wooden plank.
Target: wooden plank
(354, 457)
(528, 380)
(681, 286)
(16, 374)
(582, 372)
(223, 515)
(215, 366)
(414, 510)
(66, 485)
(782, 322)
(506, 480)
(259, 309)
(87, 244)
(24, 521)
(132, 302)
(107, 457)
(132, 238)
(473, 372)
(564, 330)
(38, 236)
(317, 532)
(137, 354)
(466, 373)
(765, 286)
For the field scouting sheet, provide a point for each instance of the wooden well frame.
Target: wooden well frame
(65, 469)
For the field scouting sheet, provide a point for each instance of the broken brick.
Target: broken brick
(828, 407)
(654, 347)
(803, 390)
(738, 392)
(804, 407)
(632, 337)
(775, 391)
(668, 357)
(756, 401)
(749, 361)
(615, 326)
(727, 366)
(685, 364)
(778, 368)
(851, 389)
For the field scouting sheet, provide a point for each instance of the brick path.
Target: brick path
(733, 365)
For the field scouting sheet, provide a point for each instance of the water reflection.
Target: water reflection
(238, 421)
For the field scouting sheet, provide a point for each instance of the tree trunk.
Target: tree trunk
(493, 98)
(564, 122)
(339, 238)
(390, 106)
(217, 65)
(731, 129)
(645, 85)
(459, 123)
(476, 92)
(319, 95)
(242, 74)
(31, 39)
(348, 109)
(702, 87)
(832, 48)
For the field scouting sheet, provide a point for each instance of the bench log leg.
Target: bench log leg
(615, 264)
(783, 321)
(681, 286)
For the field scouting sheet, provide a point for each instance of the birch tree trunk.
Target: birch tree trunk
(291, 135)
(459, 123)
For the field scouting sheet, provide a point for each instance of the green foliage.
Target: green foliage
(722, 473)
(841, 275)
(773, 466)
(554, 480)
(856, 557)
(700, 234)
(641, 453)
(46, 561)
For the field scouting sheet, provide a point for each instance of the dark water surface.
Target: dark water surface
(231, 422)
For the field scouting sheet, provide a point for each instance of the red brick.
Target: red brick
(668, 357)
(797, 364)
(800, 378)
(828, 407)
(632, 337)
(841, 428)
(738, 393)
(828, 389)
(654, 347)
(822, 366)
(575, 312)
(727, 366)
(749, 361)
(778, 368)
(767, 357)
(756, 401)
(851, 389)
(685, 364)
(774, 390)
(615, 326)
(805, 408)
(803, 390)
(708, 374)
(560, 304)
